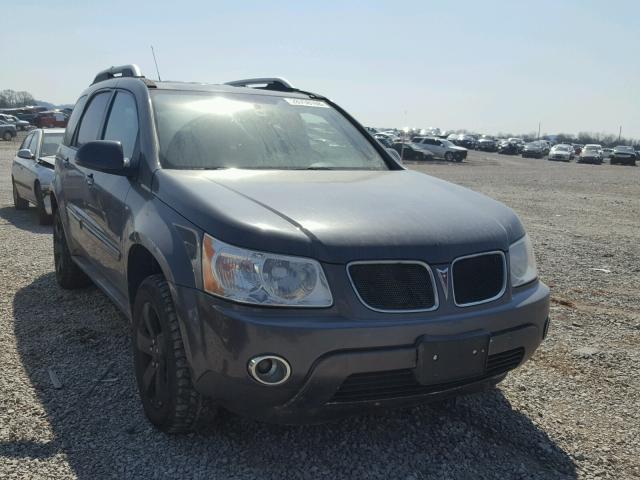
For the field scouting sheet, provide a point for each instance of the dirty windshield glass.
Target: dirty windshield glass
(209, 131)
(50, 144)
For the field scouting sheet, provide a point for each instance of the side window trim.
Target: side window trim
(105, 122)
(87, 104)
(25, 143)
(67, 139)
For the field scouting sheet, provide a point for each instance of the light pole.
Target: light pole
(620, 134)
(539, 130)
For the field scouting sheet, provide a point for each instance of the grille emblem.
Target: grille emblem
(443, 275)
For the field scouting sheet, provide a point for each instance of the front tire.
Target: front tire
(168, 396)
(68, 273)
(448, 156)
(18, 202)
(7, 137)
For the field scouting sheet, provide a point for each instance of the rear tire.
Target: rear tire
(18, 202)
(68, 273)
(168, 396)
(43, 217)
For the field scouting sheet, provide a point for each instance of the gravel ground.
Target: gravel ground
(571, 412)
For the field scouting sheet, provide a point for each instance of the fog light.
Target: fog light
(269, 369)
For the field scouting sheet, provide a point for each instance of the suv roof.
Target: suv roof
(275, 86)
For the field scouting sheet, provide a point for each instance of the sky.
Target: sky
(488, 67)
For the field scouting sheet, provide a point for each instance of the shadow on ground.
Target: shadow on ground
(99, 426)
(23, 219)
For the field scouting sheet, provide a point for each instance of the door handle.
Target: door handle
(89, 179)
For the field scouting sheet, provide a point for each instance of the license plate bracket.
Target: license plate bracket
(448, 359)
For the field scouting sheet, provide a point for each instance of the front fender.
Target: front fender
(173, 241)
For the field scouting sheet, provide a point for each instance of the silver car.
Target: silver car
(441, 148)
(32, 171)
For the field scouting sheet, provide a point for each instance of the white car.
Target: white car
(32, 171)
(561, 152)
(441, 148)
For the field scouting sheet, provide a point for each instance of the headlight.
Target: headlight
(260, 278)
(523, 262)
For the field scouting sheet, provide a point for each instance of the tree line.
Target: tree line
(604, 139)
(14, 99)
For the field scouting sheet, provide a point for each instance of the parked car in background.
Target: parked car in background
(607, 152)
(534, 150)
(284, 277)
(519, 142)
(51, 119)
(591, 153)
(453, 137)
(561, 152)
(12, 119)
(508, 147)
(410, 151)
(623, 155)
(467, 141)
(384, 140)
(487, 144)
(32, 171)
(441, 148)
(7, 131)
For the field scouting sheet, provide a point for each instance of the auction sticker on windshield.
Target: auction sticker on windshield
(304, 102)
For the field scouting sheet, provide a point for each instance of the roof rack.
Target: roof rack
(275, 83)
(119, 71)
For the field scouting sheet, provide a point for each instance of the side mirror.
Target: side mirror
(26, 154)
(104, 156)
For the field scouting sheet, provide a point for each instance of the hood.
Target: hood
(340, 216)
(457, 148)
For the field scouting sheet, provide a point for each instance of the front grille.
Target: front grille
(373, 386)
(478, 278)
(394, 286)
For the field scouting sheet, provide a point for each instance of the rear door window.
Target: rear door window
(91, 122)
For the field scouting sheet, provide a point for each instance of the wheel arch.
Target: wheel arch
(144, 259)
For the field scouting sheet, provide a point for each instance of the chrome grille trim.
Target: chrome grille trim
(487, 300)
(436, 300)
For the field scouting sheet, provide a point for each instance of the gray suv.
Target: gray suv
(275, 260)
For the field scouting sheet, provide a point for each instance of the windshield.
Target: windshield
(208, 131)
(625, 149)
(564, 148)
(50, 144)
(447, 143)
(591, 148)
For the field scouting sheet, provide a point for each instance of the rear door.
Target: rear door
(74, 179)
(106, 200)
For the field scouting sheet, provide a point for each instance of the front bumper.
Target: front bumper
(326, 351)
(592, 160)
